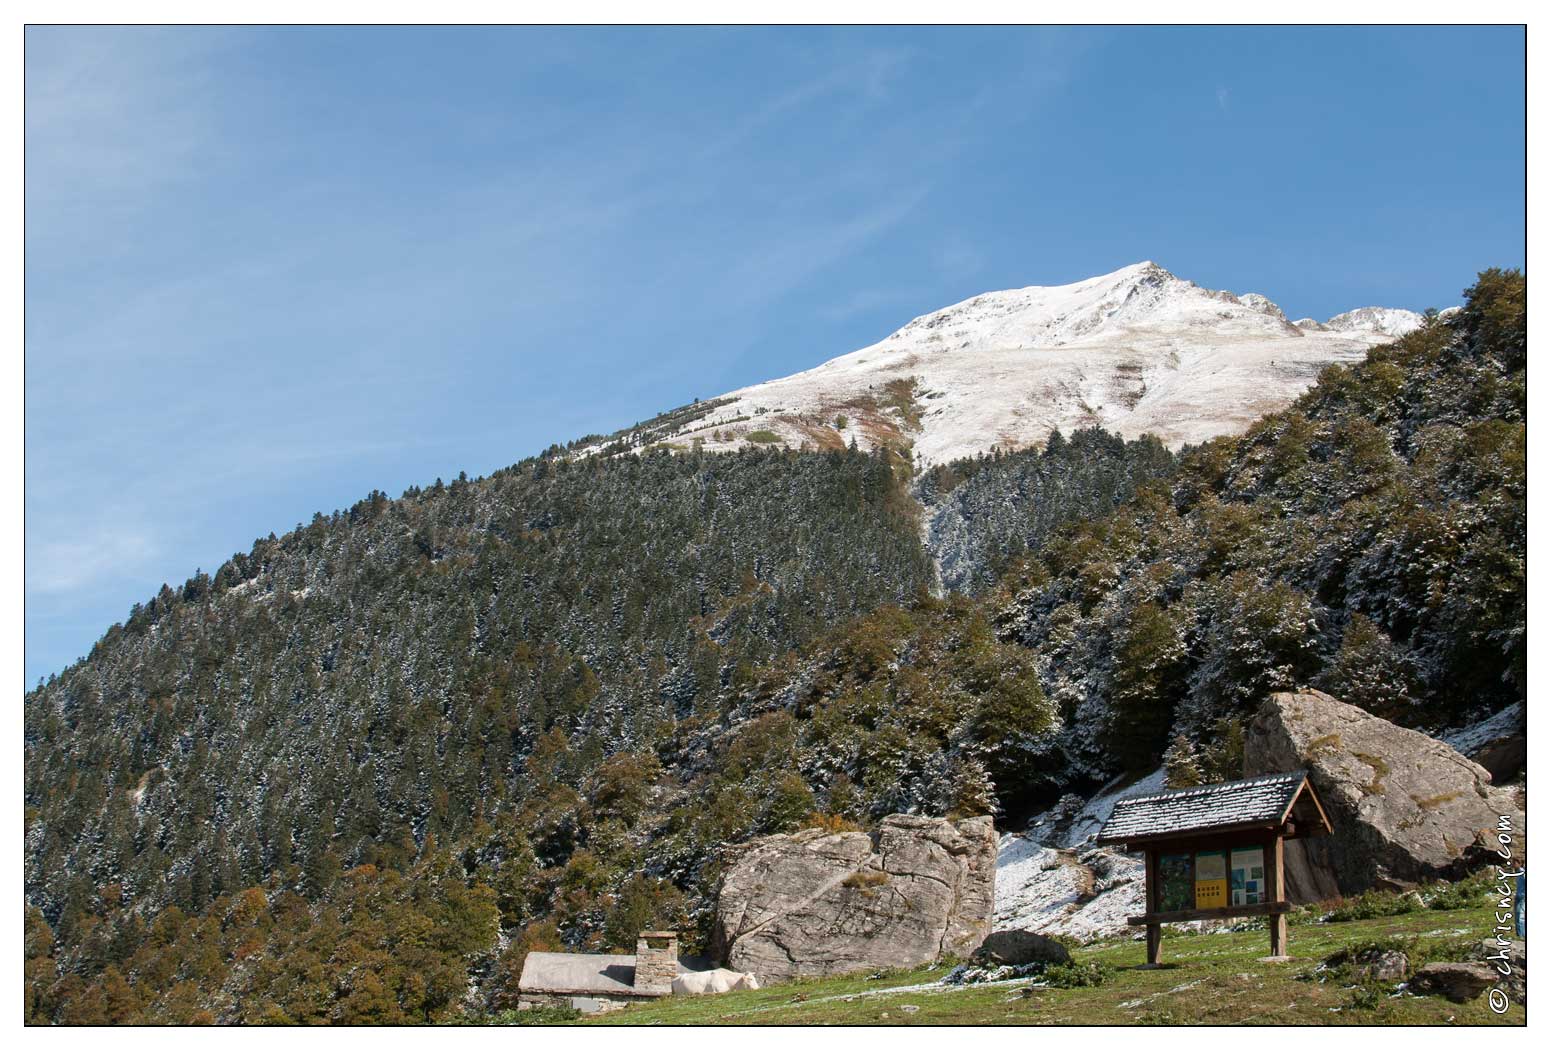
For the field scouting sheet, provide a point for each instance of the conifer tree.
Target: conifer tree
(1182, 763)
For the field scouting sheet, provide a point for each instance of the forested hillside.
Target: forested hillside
(359, 772)
(385, 667)
(986, 513)
(374, 682)
(1369, 540)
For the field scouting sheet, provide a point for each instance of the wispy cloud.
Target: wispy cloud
(86, 554)
(1222, 99)
(862, 301)
(777, 264)
(115, 117)
(957, 258)
(859, 81)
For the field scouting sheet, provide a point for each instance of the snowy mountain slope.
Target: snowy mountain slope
(1136, 351)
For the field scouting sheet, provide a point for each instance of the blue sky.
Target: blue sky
(271, 270)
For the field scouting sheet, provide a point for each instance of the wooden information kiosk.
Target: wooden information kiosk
(1215, 851)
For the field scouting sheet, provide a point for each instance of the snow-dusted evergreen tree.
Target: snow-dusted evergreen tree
(984, 514)
(1182, 763)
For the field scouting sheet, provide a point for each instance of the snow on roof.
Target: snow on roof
(1233, 804)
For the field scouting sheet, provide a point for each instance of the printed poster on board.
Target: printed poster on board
(1247, 876)
(1211, 879)
(1175, 892)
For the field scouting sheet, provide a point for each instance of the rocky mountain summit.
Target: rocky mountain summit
(1135, 351)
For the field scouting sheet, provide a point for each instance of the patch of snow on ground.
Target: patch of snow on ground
(1051, 879)
(1052, 890)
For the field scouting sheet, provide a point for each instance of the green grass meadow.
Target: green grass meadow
(1206, 979)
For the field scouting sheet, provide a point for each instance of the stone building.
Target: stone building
(592, 982)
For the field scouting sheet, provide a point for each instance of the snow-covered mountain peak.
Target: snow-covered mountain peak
(1256, 301)
(1138, 350)
(1141, 297)
(1376, 321)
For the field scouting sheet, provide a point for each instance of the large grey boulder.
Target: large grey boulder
(1020, 947)
(1406, 808)
(817, 903)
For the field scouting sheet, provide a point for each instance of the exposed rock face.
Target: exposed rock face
(1386, 966)
(1256, 301)
(1019, 947)
(1498, 743)
(1405, 807)
(1507, 958)
(1458, 981)
(817, 903)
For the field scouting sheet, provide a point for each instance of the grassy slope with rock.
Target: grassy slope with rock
(1207, 979)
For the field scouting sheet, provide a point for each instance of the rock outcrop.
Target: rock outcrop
(1460, 982)
(1406, 807)
(1499, 744)
(817, 903)
(1384, 965)
(1020, 947)
(1507, 958)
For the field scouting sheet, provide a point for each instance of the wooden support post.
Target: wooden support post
(1154, 930)
(1277, 921)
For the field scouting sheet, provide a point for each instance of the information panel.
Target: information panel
(1247, 876)
(1175, 873)
(1211, 879)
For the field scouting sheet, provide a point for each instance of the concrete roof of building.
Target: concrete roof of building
(577, 974)
(588, 974)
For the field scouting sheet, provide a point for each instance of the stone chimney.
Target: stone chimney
(656, 962)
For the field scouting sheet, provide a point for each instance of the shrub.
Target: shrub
(763, 436)
(529, 1016)
(1076, 975)
(831, 822)
(1468, 892)
(1373, 904)
(1366, 997)
(865, 880)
